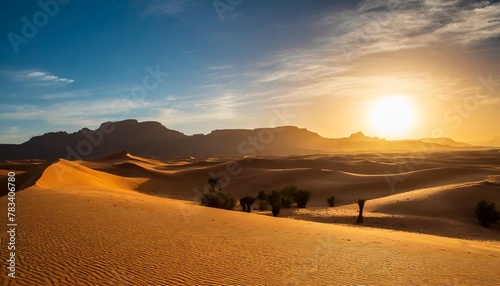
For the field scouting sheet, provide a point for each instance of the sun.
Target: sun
(392, 117)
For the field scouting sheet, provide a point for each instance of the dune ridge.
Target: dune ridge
(439, 189)
(112, 220)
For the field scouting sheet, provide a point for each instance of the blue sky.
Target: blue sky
(236, 64)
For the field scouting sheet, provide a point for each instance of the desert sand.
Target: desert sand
(127, 220)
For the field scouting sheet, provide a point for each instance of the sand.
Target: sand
(112, 221)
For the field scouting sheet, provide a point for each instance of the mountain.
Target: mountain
(445, 141)
(495, 142)
(360, 137)
(154, 139)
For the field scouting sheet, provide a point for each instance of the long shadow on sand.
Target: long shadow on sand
(415, 224)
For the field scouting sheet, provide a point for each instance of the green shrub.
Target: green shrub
(275, 200)
(302, 197)
(486, 213)
(331, 201)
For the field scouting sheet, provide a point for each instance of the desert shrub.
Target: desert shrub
(361, 205)
(218, 199)
(263, 205)
(486, 213)
(302, 197)
(286, 202)
(214, 183)
(243, 205)
(331, 201)
(275, 200)
(246, 203)
(261, 196)
(289, 192)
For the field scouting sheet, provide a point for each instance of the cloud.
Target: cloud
(220, 67)
(333, 63)
(42, 76)
(165, 7)
(74, 113)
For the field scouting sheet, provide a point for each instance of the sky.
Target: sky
(197, 66)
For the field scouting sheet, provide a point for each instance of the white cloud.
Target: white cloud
(38, 75)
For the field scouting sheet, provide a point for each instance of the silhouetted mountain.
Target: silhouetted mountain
(153, 139)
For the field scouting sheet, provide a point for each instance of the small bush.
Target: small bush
(486, 213)
(331, 201)
(263, 205)
(302, 197)
(246, 203)
(286, 202)
(261, 196)
(275, 200)
(361, 205)
(214, 183)
(218, 199)
(243, 205)
(289, 192)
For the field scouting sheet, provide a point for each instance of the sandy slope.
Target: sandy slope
(66, 173)
(91, 236)
(348, 177)
(104, 222)
(442, 188)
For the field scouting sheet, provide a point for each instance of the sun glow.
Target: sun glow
(392, 117)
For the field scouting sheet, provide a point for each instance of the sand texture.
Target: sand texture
(127, 220)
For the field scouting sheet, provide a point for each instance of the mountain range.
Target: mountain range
(154, 139)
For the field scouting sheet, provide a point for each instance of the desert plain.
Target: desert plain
(123, 219)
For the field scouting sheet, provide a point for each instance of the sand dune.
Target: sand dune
(27, 173)
(347, 177)
(71, 174)
(450, 201)
(445, 211)
(112, 219)
(90, 236)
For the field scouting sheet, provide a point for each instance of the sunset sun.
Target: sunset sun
(392, 116)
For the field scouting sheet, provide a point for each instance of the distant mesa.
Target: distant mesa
(360, 137)
(152, 139)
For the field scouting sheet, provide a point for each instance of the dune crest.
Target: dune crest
(65, 173)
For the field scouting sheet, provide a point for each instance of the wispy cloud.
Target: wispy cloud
(165, 7)
(73, 113)
(335, 64)
(220, 67)
(330, 63)
(43, 76)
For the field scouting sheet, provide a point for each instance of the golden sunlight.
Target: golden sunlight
(392, 117)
